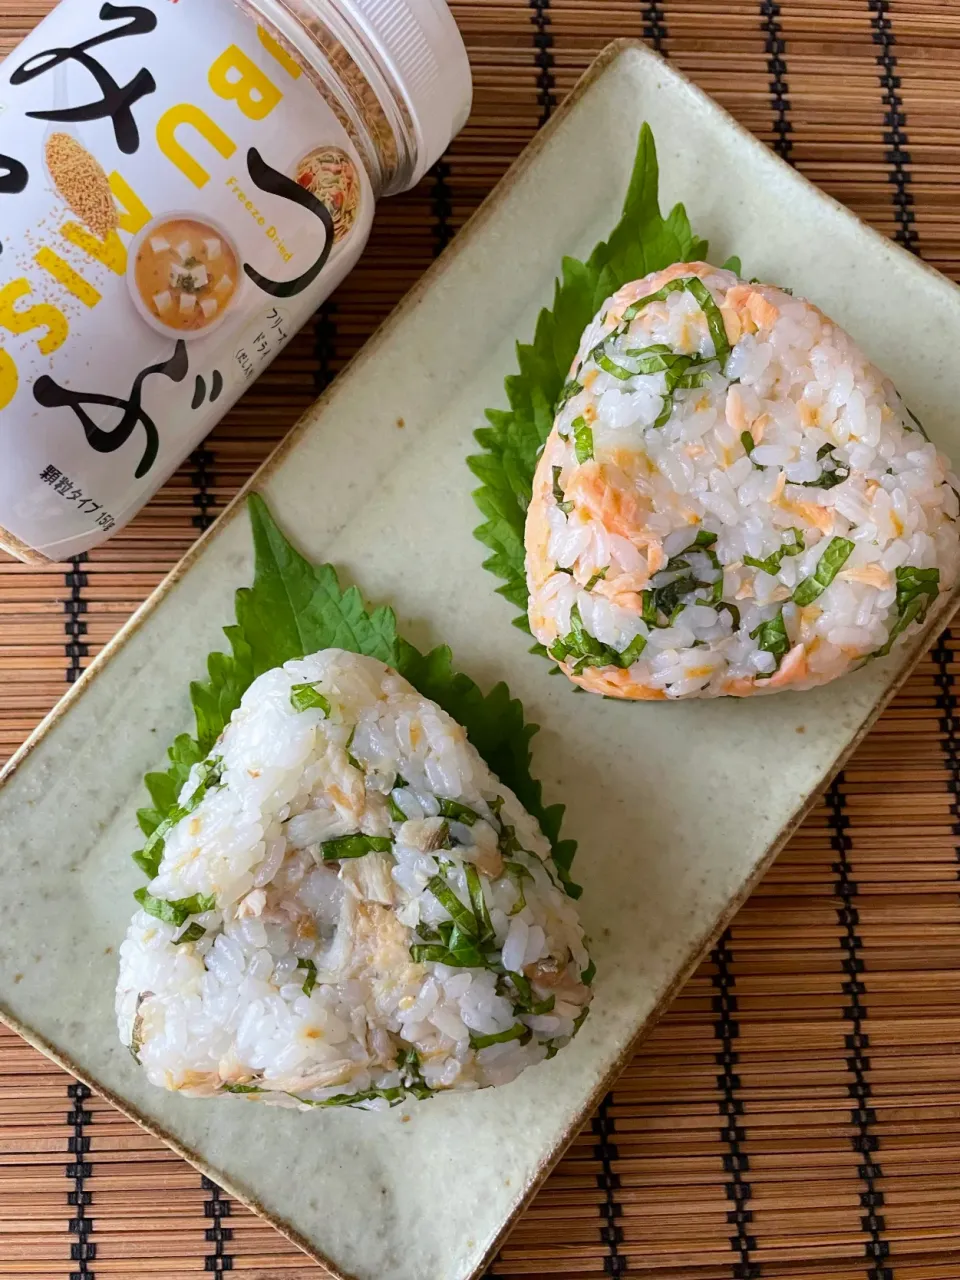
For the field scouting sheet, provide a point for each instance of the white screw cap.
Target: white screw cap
(419, 43)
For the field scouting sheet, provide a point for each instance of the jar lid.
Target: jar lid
(419, 44)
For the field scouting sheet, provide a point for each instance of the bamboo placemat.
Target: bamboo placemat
(797, 1113)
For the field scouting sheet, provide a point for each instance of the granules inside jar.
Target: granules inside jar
(82, 184)
(343, 84)
(355, 82)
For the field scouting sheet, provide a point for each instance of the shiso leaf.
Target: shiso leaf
(305, 696)
(462, 916)
(193, 933)
(310, 981)
(462, 953)
(772, 637)
(916, 591)
(459, 812)
(518, 873)
(394, 1096)
(355, 846)
(177, 912)
(517, 1032)
(525, 1001)
(216, 699)
(772, 563)
(583, 437)
(835, 556)
(641, 242)
(148, 858)
(828, 479)
(165, 787)
(479, 905)
(294, 608)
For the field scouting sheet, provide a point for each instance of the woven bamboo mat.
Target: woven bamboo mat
(797, 1113)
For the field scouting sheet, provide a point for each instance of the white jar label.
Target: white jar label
(176, 199)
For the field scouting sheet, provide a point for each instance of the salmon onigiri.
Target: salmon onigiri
(348, 907)
(732, 500)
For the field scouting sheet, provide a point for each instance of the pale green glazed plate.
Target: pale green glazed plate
(678, 808)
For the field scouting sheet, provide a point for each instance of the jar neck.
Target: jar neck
(354, 82)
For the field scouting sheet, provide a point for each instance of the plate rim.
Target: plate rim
(938, 618)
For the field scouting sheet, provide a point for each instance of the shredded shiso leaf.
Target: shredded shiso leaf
(295, 608)
(916, 591)
(303, 696)
(772, 637)
(834, 557)
(311, 979)
(641, 242)
(356, 846)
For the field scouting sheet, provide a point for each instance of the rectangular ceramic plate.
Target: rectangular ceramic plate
(678, 808)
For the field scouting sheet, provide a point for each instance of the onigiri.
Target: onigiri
(348, 907)
(732, 500)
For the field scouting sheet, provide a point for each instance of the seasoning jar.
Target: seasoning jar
(182, 183)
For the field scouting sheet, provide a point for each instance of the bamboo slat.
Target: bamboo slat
(796, 1115)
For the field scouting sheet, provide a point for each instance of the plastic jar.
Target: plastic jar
(182, 183)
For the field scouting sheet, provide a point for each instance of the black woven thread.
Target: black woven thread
(219, 1260)
(654, 25)
(736, 1163)
(74, 604)
(324, 345)
(543, 43)
(776, 48)
(202, 479)
(82, 1250)
(442, 206)
(857, 1041)
(949, 727)
(895, 120)
(611, 1234)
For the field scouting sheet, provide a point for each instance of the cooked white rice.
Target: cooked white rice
(315, 973)
(827, 522)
